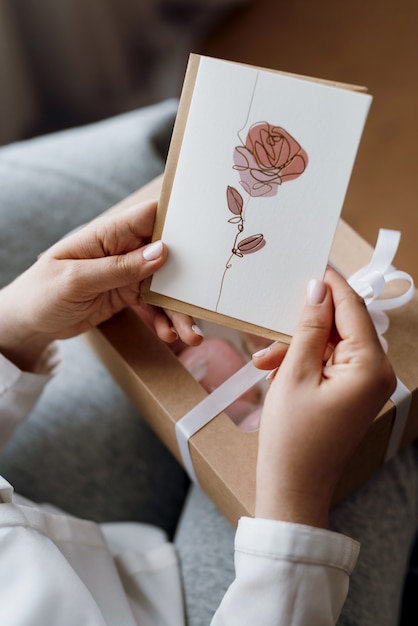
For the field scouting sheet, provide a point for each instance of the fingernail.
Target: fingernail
(315, 292)
(153, 251)
(262, 352)
(270, 376)
(197, 331)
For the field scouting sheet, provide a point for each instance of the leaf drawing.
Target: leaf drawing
(251, 244)
(234, 200)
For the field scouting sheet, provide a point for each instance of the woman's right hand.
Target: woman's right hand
(330, 384)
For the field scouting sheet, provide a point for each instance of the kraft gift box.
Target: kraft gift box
(222, 455)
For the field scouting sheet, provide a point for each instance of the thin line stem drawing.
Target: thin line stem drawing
(268, 157)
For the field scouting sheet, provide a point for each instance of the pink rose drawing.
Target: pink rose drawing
(270, 157)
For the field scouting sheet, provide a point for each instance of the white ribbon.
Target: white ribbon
(401, 398)
(369, 282)
(211, 406)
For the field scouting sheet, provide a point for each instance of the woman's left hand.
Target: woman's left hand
(83, 280)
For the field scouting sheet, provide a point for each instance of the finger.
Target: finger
(185, 327)
(271, 357)
(163, 327)
(108, 235)
(104, 274)
(272, 375)
(156, 319)
(146, 312)
(352, 319)
(309, 344)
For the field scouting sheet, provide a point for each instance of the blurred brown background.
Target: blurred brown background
(68, 62)
(372, 43)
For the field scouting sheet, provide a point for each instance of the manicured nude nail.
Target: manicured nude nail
(270, 376)
(316, 291)
(153, 251)
(262, 352)
(197, 331)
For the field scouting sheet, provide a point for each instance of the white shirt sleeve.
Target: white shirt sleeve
(287, 574)
(19, 391)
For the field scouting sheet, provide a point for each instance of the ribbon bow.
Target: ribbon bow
(370, 281)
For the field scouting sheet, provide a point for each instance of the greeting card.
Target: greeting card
(256, 176)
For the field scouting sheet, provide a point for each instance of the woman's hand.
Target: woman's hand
(330, 384)
(85, 279)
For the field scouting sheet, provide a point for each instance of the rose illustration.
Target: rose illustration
(270, 157)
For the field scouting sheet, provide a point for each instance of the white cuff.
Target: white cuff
(296, 542)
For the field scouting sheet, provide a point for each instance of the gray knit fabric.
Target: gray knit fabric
(84, 447)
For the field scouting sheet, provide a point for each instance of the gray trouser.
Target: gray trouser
(86, 449)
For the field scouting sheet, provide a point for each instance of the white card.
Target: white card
(262, 172)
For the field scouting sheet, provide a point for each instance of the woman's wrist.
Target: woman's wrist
(25, 357)
(295, 507)
(286, 492)
(22, 349)
(20, 344)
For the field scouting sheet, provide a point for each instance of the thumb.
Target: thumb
(309, 343)
(117, 271)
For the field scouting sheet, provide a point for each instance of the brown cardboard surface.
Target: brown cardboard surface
(223, 456)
